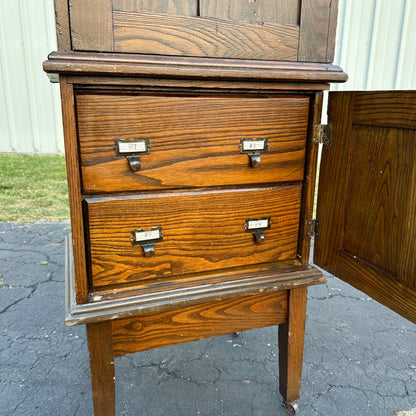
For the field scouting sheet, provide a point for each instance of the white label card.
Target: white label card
(255, 224)
(147, 235)
(139, 146)
(254, 144)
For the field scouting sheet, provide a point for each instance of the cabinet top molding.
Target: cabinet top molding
(72, 63)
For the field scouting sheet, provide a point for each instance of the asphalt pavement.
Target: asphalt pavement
(360, 358)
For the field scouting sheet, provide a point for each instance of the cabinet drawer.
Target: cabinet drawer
(202, 231)
(194, 141)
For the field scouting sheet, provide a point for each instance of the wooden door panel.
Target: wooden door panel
(367, 197)
(379, 202)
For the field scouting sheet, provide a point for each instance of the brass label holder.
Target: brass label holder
(147, 239)
(132, 150)
(254, 148)
(257, 226)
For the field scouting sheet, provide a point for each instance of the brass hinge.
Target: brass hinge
(312, 228)
(322, 133)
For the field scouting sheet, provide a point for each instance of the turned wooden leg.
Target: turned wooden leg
(291, 337)
(100, 344)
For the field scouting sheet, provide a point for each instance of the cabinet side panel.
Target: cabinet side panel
(256, 12)
(91, 25)
(74, 190)
(315, 18)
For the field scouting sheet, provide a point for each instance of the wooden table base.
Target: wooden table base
(110, 338)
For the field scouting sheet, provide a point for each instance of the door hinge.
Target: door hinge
(322, 133)
(312, 228)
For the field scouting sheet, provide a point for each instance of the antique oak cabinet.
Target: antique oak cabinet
(192, 130)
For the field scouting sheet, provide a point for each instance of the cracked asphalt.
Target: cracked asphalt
(360, 358)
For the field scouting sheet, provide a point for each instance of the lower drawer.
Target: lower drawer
(200, 231)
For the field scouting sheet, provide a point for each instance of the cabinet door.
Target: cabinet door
(367, 196)
(287, 30)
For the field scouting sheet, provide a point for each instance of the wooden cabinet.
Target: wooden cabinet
(191, 145)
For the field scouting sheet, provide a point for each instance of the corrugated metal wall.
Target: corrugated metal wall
(376, 46)
(30, 114)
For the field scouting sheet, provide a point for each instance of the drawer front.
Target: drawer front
(202, 231)
(194, 141)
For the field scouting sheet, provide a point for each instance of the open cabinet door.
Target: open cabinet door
(367, 196)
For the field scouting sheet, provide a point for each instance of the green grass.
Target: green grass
(33, 188)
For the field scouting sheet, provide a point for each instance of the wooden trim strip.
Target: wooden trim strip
(180, 67)
(273, 280)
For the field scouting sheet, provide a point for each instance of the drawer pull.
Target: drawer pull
(147, 239)
(254, 148)
(132, 150)
(257, 226)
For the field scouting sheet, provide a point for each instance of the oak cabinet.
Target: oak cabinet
(192, 131)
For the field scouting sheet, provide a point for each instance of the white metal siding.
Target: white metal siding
(376, 46)
(30, 115)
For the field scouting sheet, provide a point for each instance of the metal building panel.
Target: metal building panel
(30, 117)
(376, 44)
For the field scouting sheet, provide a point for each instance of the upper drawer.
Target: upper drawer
(285, 30)
(194, 141)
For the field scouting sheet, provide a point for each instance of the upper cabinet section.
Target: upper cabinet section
(283, 30)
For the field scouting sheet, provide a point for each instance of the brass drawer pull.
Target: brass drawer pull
(132, 150)
(257, 226)
(253, 148)
(147, 239)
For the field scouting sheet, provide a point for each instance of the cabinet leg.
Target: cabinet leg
(100, 344)
(291, 338)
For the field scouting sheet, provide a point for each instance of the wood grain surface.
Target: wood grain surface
(278, 73)
(203, 230)
(74, 189)
(335, 162)
(315, 26)
(173, 7)
(367, 195)
(381, 203)
(309, 181)
(91, 25)
(63, 34)
(284, 12)
(100, 345)
(194, 140)
(291, 342)
(195, 36)
(198, 321)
